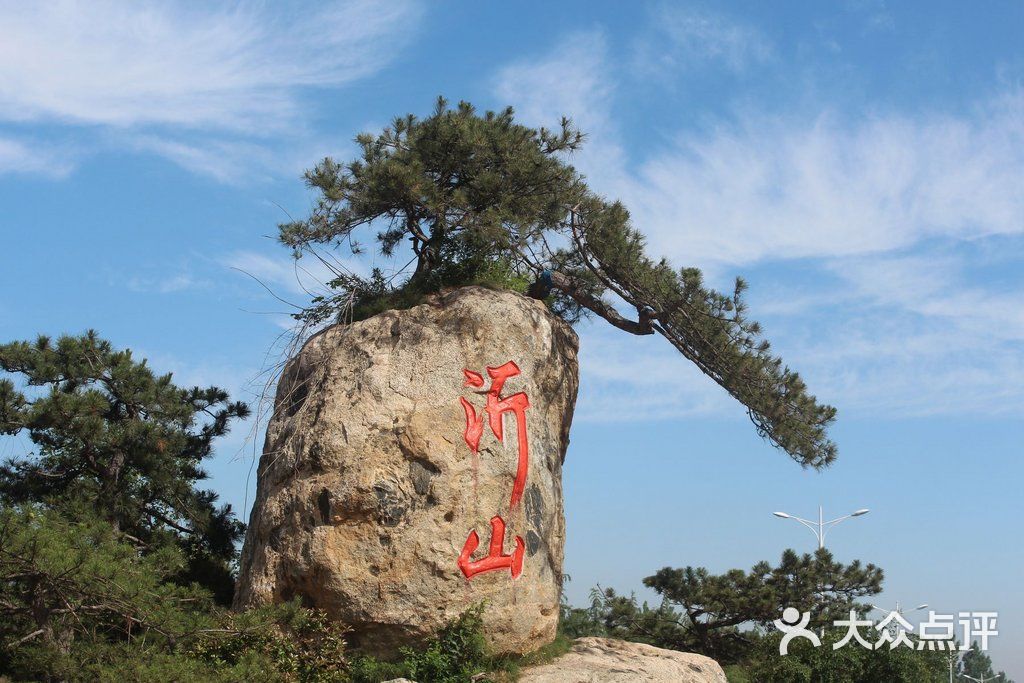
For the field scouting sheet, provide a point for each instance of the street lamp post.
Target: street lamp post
(821, 526)
(899, 611)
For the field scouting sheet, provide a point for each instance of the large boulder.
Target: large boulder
(397, 487)
(605, 660)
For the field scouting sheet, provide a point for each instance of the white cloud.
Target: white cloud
(232, 66)
(684, 38)
(294, 278)
(225, 161)
(168, 284)
(788, 187)
(574, 80)
(917, 333)
(627, 378)
(281, 274)
(207, 86)
(568, 81)
(35, 159)
(936, 287)
(884, 365)
(875, 14)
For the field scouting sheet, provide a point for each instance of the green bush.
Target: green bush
(285, 642)
(456, 654)
(849, 664)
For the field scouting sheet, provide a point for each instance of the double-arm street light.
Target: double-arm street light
(821, 526)
(898, 610)
(893, 628)
(983, 678)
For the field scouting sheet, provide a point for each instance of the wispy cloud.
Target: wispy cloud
(624, 378)
(158, 70)
(921, 332)
(682, 39)
(796, 187)
(284, 275)
(233, 66)
(936, 287)
(281, 274)
(575, 80)
(33, 158)
(875, 14)
(226, 161)
(168, 284)
(886, 365)
(570, 80)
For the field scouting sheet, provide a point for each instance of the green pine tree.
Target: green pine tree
(81, 603)
(478, 198)
(105, 429)
(976, 663)
(71, 587)
(706, 613)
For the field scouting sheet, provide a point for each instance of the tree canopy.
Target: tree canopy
(478, 198)
(704, 612)
(105, 429)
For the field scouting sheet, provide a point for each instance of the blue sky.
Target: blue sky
(861, 164)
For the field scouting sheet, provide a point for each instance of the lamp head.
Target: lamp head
(783, 515)
(862, 511)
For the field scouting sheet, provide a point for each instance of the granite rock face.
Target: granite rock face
(605, 660)
(398, 447)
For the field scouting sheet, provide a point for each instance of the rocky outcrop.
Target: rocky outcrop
(604, 660)
(412, 468)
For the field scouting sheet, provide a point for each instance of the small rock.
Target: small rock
(605, 660)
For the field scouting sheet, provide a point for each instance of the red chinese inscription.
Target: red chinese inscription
(495, 408)
(496, 558)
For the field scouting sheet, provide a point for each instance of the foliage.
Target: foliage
(618, 616)
(751, 654)
(975, 662)
(107, 429)
(507, 667)
(81, 604)
(456, 654)
(851, 663)
(284, 642)
(735, 673)
(477, 198)
(816, 583)
(102, 531)
(458, 187)
(729, 617)
(704, 612)
(71, 586)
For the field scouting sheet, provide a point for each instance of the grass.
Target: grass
(506, 668)
(459, 653)
(736, 673)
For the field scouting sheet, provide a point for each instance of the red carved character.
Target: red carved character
(496, 407)
(496, 559)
